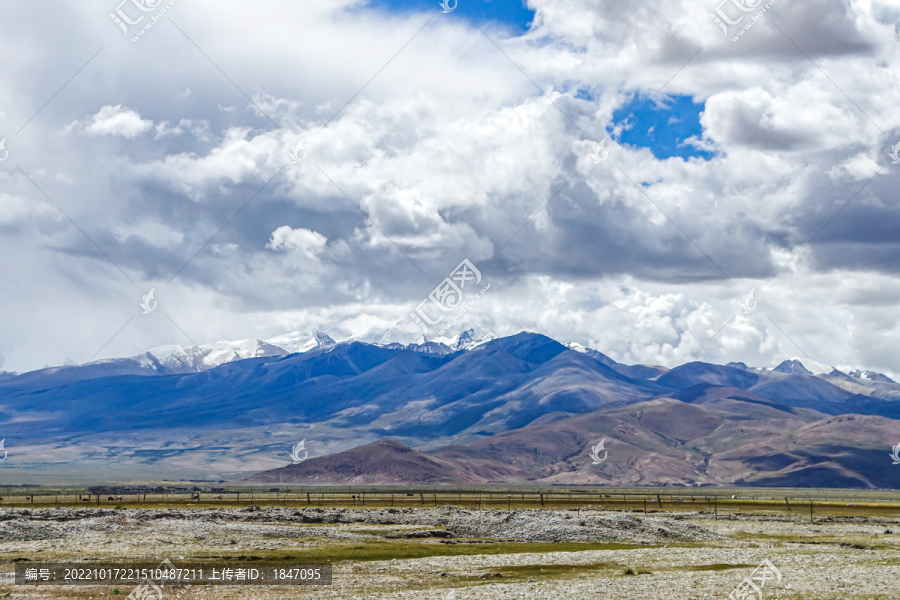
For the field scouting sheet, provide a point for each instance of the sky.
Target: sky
(621, 174)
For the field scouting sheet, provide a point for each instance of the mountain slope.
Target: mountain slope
(694, 373)
(472, 403)
(664, 441)
(382, 462)
(498, 385)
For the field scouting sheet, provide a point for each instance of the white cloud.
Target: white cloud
(114, 120)
(309, 242)
(448, 153)
(18, 210)
(806, 114)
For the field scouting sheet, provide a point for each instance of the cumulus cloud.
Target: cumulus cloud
(451, 153)
(114, 120)
(309, 242)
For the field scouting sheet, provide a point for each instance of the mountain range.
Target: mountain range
(470, 409)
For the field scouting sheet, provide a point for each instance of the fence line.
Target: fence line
(433, 497)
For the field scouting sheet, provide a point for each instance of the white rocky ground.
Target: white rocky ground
(690, 557)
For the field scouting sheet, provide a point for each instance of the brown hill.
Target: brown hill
(715, 440)
(724, 442)
(382, 462)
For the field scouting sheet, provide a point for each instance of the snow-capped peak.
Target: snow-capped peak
(799, 366)
(468, 340)
(301, 342)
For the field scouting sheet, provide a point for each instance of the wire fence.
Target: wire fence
(883, 504)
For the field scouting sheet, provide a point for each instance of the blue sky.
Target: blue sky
(512, 13)
(662, 126)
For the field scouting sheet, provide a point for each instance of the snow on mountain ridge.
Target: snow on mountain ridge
(871, 376)
(301, 342)
(174, 358)
(170, 359)
(192, 358)
(595, 354)
(225, 351)
(467, 340)
(792, 367)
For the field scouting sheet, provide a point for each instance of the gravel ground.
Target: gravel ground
(686, 557)
(563, 526)
(518, 525)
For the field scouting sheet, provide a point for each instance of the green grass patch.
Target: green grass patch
(718, 567)
(376, 550)
(544, 572)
